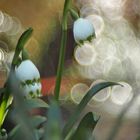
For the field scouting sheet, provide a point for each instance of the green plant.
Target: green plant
(51, 126)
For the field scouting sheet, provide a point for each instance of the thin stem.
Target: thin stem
(62, 49)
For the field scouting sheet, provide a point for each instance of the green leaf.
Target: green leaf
(35, 103)
(53, 127)
(93, 91)
(37, 120)
(20, 45)
(138, 138)
(25, 55)
(74, 14)
(18, 132)
(86, 127)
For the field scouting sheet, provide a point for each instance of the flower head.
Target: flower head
(83, 30)
(29, 78)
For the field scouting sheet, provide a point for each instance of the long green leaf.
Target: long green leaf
(93, 91)
(35, 103)
(86, 127)
(53, 126)
(20, 45)
(25, 54)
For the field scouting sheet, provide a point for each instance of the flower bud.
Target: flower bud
(83, 30)
(29, 78)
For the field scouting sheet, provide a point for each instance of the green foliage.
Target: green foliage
(85, 129)
(74, 14)
(138, 138)
(36, 103)
(25, 55)
(52, 127)
(93, 91)
(20, 45)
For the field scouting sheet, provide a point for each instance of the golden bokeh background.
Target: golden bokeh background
(43, 16)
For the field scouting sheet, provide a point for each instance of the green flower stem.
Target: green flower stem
(62, 49)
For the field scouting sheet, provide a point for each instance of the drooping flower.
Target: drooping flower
(29, 78)
(83, 30)
(31, 90)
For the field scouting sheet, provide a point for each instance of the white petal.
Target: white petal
(35, 89)
(27, 71)
(83, 29)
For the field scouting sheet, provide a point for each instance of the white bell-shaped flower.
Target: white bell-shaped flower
(27, 71)
(29, 78)
(32, 90)
(83, 30)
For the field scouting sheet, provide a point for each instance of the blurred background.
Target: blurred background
(115, 21)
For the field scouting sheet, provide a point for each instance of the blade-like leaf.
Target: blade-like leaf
(86, 127)
(53, 127)
(35, 103)
(93, 91)
(25, 54)
(21, 42)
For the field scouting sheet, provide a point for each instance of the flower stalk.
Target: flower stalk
(62, 49)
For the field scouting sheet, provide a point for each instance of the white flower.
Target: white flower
(29, 78)
(83, 30)
(32, 90)
(27, 71)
